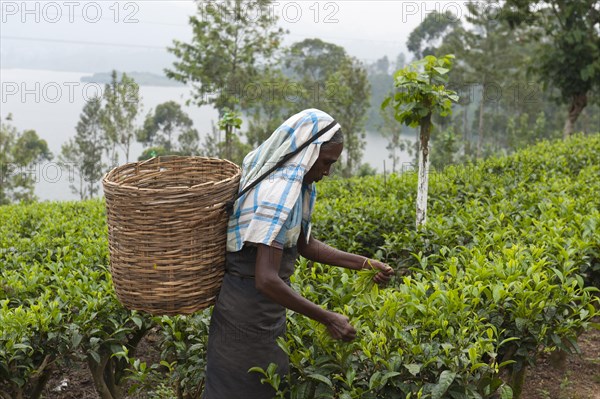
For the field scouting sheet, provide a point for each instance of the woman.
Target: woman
(269, 227)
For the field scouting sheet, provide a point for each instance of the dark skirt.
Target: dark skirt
(244, 328)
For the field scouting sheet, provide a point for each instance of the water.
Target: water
(51, 102)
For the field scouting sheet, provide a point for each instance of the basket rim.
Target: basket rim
(107, 182)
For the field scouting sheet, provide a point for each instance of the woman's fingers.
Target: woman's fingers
(384, 268)
(385, 272)
(381, 278)
(340, 328)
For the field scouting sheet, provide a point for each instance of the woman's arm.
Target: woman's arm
(318, 251)
(268, 282)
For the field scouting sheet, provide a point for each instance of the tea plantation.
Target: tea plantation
(507, 266)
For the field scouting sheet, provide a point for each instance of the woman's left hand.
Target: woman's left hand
(385, 271)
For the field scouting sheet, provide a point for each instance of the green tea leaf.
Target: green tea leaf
(413, 368)
(321, 378)
(446, 379)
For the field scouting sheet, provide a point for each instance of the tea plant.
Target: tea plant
(507, 265)
(57, 301)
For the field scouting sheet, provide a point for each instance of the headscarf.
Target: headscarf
(259, 214)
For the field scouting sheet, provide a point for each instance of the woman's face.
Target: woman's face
(328, 155)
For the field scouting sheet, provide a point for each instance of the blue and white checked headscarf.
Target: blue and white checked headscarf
(260, 213)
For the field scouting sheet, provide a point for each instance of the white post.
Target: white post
(423, 181)
(422, 188)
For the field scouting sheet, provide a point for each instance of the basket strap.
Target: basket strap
(229, 204)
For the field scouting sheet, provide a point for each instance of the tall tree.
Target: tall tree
(231, 38)
(83, 153)
(19, 155)
(350, 96)
(488, 50)
(432, 29)
(485, 49)
(167, 126)
(569, 57)
(313, 60)
(275, 99)
(487, 53)
(189, 142)
(489, 41)
(122, 103)
(381, 82)
(335, 83)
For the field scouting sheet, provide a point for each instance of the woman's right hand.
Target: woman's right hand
(339, 327)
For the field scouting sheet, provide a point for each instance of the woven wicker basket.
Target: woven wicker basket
(167, 231)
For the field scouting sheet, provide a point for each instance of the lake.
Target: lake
(51, 102)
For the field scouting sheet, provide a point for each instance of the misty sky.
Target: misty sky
(88, 36)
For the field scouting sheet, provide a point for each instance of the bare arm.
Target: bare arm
(268, 282)
(318, 251)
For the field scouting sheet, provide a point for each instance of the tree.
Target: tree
(275, 100)
(229, 121)
(433, 28)
(380, 66)
(381, 82)
(350, 96)
(189, 142)
(215, 147)
(314, 60)
(311, 62)
(444, 149)
(122, 105)
(488, 43)
(166, 124)
(19, 154)
(84, 152)
(487, 73)
(486, 51)
(231, 38)
(392, 131)
(335, 83)
(569, 57)
(422, 93)
(519, 132)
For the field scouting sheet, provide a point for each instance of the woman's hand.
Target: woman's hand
(385, 271)
(339, 327)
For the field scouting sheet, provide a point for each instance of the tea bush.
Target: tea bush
(505, 267)
(57, 304)
(521, 232)
(553, 185)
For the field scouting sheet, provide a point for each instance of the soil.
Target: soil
(578, 378)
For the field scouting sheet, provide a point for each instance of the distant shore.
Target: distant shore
(141, 78)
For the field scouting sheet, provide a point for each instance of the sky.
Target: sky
(92, 36)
